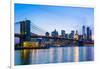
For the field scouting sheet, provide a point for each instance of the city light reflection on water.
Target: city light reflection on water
(54, 55)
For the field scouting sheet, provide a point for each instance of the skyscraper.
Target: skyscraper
(47, 34)
(54, 33)
(83, 32)
(63, 33)
(66, 36)
(83, 29)
(76, 35)
(71, 35)
(88, 33)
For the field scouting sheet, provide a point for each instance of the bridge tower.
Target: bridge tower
(25, 31)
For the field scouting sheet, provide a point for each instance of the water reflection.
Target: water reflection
(25, 57)
(54, 55)
(76, 54)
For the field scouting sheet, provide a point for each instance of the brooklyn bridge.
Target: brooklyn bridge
(26, 34)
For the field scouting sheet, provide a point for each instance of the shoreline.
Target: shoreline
(47, 47)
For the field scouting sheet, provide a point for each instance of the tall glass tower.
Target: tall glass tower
(83, 33)
(88, 33)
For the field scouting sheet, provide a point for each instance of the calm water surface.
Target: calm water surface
(54, 55)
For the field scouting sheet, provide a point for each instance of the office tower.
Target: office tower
(47, 34)
(88, 33)
(54, 33)
(71, 35)
(76, 37)
(83, 30)
(83, 33)
(63, 33)
(66, 36)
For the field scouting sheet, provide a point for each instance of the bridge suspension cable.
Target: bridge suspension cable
(37, 28)
(34, 28)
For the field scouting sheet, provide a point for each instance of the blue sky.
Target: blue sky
(60, 18)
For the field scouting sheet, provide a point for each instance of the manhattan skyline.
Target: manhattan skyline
(46, 34)
(55, 17)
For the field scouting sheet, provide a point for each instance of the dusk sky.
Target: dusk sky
(60, 18)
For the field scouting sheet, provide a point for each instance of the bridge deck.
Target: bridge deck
(41, 36)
